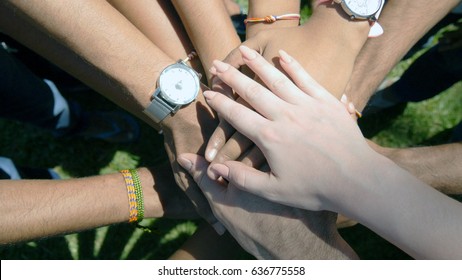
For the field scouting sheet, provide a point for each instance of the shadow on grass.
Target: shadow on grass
(374, 123)
(33, 147)
(122, 241)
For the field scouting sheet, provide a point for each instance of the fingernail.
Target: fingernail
(185, 163)
(344, 99)
(220, 66)
(351, 108)
(208, 94)
(247, 52)
(212, 154)
(285, 57)
(213, 70)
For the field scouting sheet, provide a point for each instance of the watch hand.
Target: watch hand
(179, 85)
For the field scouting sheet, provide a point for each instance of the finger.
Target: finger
(219, 86)
(197, 168)
(213, 191)
(259, 98)
(245, 178)
(274, 79)
(222, 133)
(218, 139)
(355, 114)
(234, 148)
(302, 79)
(248, 122)
(234, 58)
(254, 158)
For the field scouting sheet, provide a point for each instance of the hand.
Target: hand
(165, 200)
(306, 135)
(187, 132)
(268, 230)
(328, 53)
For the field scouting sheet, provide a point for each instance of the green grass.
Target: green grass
(423, 123)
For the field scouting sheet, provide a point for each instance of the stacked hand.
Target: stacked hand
(284, 127)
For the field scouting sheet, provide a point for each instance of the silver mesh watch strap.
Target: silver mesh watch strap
(158, 110)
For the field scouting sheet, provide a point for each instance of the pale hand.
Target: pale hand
(312, 145)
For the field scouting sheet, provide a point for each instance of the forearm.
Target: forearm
(208, 18)
(159, 22)
(93, 42)
(337, 44)
(439, 166)
(262, 8)
(415, 217)
(101, 47)
(404, 22)
(42, 208)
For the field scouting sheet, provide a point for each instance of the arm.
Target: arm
(42, 208)
(404, 22)
(438, 166)
(367, 187)
(210, 29)
(122, 64)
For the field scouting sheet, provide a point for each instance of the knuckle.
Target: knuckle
(252, 92)
(270, 136)
(224, 156)
(234, 114)
(292, 115)
(281, 83)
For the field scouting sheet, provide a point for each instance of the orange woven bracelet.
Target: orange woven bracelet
(132, 201)
(271, 18)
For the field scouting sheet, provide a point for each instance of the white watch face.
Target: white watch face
(179, 84)
(363, 8)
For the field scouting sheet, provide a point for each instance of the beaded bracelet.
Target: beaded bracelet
(271, 18)
(135, 195)
(139, 194)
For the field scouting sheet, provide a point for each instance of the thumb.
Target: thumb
(197, 168)
(193, 164)
(234, 58)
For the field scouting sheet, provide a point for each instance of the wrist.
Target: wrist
(189, 115)
(362, 180)
(177, 86)
(152, 204)
(332, 18)
(261, 9)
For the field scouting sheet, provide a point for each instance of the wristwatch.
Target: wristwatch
(364, 10)
(177, 86)
(361, 9)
